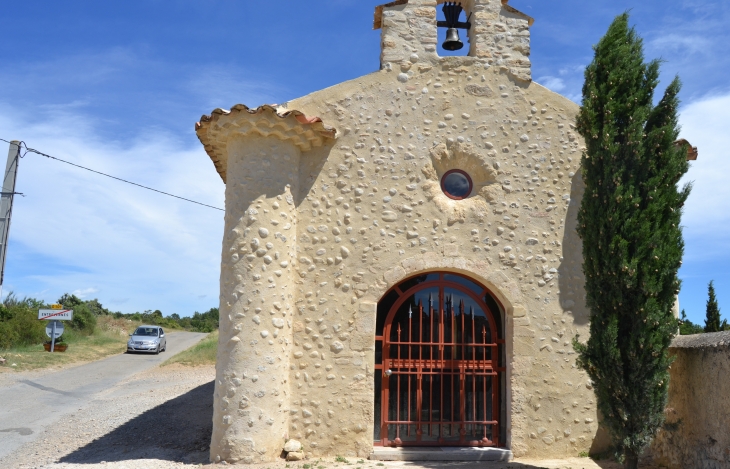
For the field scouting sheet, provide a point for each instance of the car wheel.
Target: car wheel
(157, 350)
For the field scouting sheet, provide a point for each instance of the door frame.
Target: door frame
(497, 341)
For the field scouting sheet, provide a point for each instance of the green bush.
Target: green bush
(19, 324)
(687, 327)
(70, 301)
(83, 319)
(205, 322)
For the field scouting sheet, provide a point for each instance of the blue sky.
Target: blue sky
(118, 86)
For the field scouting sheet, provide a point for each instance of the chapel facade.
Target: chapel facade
(400, 263)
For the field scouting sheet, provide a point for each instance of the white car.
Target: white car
(147, 339)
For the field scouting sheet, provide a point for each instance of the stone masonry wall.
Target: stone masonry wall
(500, 36)
(373, 214)
(696, 430)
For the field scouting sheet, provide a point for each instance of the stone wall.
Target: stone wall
(368, 213)
(697, 429)
(499, 36)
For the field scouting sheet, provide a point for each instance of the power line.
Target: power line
(32, 150)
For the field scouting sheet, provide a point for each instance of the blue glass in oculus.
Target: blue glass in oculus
(456, 185)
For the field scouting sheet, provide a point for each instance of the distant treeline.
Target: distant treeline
(19, 324)
(199, 322)
(687, 327)
(713, 319)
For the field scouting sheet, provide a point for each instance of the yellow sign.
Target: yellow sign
(56, 306)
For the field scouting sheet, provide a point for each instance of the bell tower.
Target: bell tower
(499, 35)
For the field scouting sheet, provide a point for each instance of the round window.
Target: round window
(456, 184)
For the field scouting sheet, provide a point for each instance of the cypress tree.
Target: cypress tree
(629, 222)
(712, 311)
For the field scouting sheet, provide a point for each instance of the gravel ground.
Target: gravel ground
(161, 419)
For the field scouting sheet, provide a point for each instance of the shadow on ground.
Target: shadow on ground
(178, 430)
(582, 463)
(572, 463)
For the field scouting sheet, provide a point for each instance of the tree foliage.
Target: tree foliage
(712, 311)
(205, 322)
(687, 327)
(629, 221)
(83, 319)
(19, 324)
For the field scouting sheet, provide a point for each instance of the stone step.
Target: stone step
(440, 454)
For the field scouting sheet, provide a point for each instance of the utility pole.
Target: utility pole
(6, 204)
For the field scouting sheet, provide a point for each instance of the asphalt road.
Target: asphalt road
(27, 407)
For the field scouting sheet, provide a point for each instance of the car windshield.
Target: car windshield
(149, 331)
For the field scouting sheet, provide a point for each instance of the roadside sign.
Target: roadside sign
(56, 314)
(56, 306)
(54, 329)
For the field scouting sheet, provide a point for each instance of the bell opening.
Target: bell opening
(451, 40)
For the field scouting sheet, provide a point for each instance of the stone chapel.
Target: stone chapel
(400, 265)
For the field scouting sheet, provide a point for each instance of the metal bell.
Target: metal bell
(452, 42)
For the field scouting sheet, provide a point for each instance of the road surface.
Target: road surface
(29, 406)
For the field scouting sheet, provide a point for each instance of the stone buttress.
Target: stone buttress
(257, 153)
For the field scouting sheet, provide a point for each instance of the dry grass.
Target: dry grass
(202, 353)
(109, 338)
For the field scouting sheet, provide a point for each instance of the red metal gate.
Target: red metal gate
(440, 383)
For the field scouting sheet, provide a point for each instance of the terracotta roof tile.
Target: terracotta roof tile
(692, 152)
(303, 131)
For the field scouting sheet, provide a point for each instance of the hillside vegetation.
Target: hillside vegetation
(20, 327)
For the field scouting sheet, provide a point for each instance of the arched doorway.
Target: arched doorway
(438, 364)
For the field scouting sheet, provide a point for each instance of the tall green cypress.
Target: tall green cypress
(632, 243)
(712, 311)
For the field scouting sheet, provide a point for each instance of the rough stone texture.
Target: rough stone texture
(696, 430)
(499, 37)
(295, 456)
(348, 219)
(292, 446)
(257, 302)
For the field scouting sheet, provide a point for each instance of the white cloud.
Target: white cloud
(685, 44)
(573, 70)
(83, 293)
(75, 228)
(552, 83)
(706, 217)
(225, 87)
